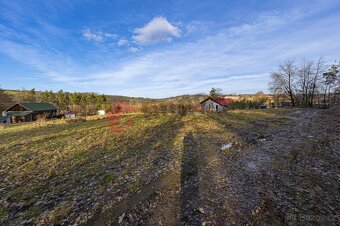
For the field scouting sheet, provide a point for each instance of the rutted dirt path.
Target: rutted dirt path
(280, 175)
(112, 215)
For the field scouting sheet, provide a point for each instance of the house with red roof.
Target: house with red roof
(216, 103)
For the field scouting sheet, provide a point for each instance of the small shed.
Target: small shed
(101, 112)
(70, 115)
(216, 104)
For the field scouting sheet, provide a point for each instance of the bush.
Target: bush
(169, 107)
(145, 108)
(182, 109)
(244, 104)
(164, 108)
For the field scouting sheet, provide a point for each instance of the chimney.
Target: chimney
(4, 113)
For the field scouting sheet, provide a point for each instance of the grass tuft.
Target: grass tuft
(109, 178)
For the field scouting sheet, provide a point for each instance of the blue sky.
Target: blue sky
(160, 48)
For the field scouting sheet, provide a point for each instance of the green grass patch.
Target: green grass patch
(109, 178)
(134, 188)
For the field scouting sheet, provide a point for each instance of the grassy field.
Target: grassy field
(60, 173)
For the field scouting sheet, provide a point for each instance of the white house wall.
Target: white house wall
(212, 105)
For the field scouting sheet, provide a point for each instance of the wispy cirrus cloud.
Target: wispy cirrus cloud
(123, 42)
(240, 64)
(235, 58)
(97, 36)
(133, 49)
(55, 66)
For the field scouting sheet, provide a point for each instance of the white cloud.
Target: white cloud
(236, 59)
(92, 36)
(109, 35)
(133, 49)
(159, 29)
(123, 42)
(97, 36)
(237, 65)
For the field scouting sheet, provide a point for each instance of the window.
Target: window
(216, 107)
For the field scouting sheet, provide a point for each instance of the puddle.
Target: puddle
(226, 146)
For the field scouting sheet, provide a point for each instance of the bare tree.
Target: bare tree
(260, 98)
(331, 78)
(308, 75)
(283, 80)
(304, 82)
(316, 75)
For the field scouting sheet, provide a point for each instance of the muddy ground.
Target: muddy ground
(256, 167)
(287, 174)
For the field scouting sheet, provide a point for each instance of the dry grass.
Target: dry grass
(46, 165)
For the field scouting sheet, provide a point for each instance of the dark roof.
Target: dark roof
(38, 106)
(220, 100)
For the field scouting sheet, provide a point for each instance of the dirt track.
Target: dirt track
(286, 175)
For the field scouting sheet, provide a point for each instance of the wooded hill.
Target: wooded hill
(89, 103)
(64, 99)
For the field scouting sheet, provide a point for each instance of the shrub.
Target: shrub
(117, 108)
(169, 107)
(182, 109)
(145, 108)
(244, 104)
(164, 108)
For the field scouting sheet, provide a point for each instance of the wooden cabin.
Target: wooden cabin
(27, 112)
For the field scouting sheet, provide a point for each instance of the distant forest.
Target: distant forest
(80, 103)
(83, 103)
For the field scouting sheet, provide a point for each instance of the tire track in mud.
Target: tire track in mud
(177, 197)
(170, 199)
(111, 215)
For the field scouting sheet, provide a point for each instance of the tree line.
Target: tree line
(79, 103)
(308, 84)
(254, 102)
(89, 103)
